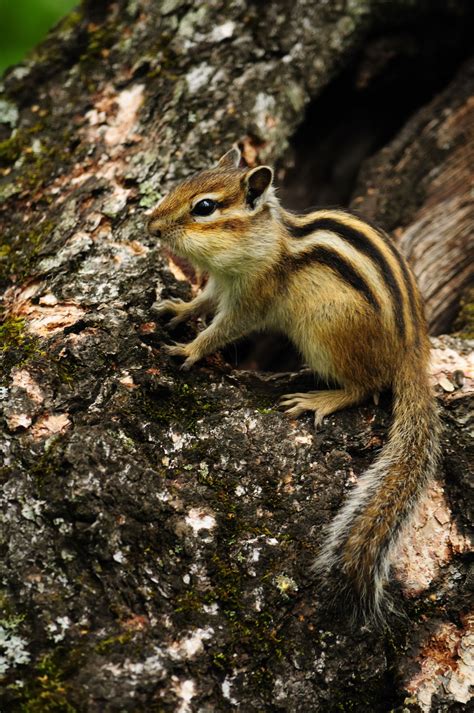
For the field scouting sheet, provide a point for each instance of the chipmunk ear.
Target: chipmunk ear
(257, 181)
(231, 159)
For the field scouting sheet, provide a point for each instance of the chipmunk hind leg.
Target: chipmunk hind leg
(323, 403)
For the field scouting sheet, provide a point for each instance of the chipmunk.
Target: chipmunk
(341, 291)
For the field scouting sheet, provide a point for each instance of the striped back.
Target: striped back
(362, 256)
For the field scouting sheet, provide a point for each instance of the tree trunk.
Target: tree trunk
(420, 187)
(159, 527)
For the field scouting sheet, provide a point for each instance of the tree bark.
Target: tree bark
(158, 527)
(420, 188)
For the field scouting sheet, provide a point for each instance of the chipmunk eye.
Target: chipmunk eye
(204, 207)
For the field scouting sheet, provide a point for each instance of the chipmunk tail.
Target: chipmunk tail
(356, 556)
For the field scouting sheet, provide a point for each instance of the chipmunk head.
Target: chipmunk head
(218, 217)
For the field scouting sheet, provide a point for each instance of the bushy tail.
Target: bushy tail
(355, 558)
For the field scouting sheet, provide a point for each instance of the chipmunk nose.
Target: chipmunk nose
(153, 228)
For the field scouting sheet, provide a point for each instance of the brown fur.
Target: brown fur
(339, 289)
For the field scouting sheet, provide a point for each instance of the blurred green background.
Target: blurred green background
(23, 23)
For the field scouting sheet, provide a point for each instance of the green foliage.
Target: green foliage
(24, 24)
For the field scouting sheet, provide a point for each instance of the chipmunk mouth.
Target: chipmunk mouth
(175, 239)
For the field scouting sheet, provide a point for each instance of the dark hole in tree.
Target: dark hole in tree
(354, 117)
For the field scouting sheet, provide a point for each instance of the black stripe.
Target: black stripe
(407, 275)
(360, 241)
(408, 281)
(332, 259)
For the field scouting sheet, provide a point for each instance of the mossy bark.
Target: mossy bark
(158, 526)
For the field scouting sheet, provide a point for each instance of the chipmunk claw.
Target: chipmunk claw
(167, 306)
(176, 349)
(186, 366)
(318, 421)
(291, 404)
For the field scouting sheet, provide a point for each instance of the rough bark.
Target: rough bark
(158, 526)
(420, 188)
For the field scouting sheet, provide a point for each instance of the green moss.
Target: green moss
(11, 622)
(100, 38)
(48, 467)
(66, 371)
(113, 643)
(5, 250)
(44, 689)
(32, 160)
(193, 602)
(17, 145)
(21, 254)
(10, 150)
(183, 405)
(17, 347)
(12, 333)
(35, 156)
(43, 164)
(70, 22)
(253, 632)
(47, 691)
